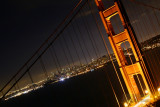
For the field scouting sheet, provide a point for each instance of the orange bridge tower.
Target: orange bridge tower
(128, 71)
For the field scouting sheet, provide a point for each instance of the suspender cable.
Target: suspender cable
(17, 85)
(68, 50)
(114, 67)
(157, 65)
(59, 65)
(30, 77)
(113, 89)
(54, 61)
(90, 35)
(65, 53)
(74, 47)
(43, 68)
(29, 74)
(148, 60)
(79, 43)
(16, 88)
(83, 40)
(150, 19)
(156, 17)
(154, 29)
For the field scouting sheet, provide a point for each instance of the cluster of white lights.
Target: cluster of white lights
(146, 91)
(62, 79)
(159, 90)
(125, 104)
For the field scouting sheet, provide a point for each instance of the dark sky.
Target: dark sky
(25, 24)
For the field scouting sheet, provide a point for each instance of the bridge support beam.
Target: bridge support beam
(127, 70)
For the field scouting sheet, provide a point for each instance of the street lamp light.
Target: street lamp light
(125, 104)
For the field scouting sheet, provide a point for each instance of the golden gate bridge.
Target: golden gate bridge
(118, 32)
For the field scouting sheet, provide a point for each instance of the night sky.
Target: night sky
(25, 24)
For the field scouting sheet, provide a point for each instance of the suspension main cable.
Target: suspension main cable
(146, 5)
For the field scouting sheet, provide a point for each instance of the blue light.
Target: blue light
(92, 70)
(62, 79)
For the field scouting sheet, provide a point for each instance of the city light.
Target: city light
(143, 102)
(125, 104)
(92, 70)
(67, 76)
(62, 79)
(78, 70)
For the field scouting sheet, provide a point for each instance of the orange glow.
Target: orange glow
(159, 90)
(127, 71)
(125, 105)
(146, 91)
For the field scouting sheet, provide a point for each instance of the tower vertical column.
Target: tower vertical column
(127, 71)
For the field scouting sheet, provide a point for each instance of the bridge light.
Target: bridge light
(146, 91)
(143, 103)
(125, 104)
(155, 97)
(159, 90)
